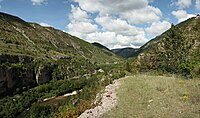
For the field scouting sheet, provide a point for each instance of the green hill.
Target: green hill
(22, 38)
(176, 50)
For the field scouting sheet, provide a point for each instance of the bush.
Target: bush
(40, 111)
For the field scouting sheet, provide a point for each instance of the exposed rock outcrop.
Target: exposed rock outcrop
(16, 72)
(43, 75)
(13, 78)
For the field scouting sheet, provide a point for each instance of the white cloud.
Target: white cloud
(82, 27)
(182, 15)
(158, 28)
(113, 40)
(135, 11)
(198, 4)
(77, 14)
(39, 2)
(183, 3)
(80, 22)
(112, 22)
(146, 15)
(117, 25)
(111, 6)
(45, 25)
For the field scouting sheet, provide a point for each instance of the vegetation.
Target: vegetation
(59, 63)
(175, 51)
(145, 95)
(21, 38)
(89, 85)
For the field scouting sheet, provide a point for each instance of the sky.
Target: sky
(113, 23)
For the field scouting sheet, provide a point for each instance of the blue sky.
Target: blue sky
(113, 23)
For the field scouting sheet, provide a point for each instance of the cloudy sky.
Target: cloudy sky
(113, 23)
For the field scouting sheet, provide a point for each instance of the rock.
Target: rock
(150, 101)
(107, 95)
(43, 75)
(101, 71)
(108, 101)
(12, 78)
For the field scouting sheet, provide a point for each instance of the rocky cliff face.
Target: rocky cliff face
(19, 73)
(13, 75)
(43, 75)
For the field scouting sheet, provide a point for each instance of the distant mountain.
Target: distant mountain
(125, 52)
(176, 50)
(31, 54)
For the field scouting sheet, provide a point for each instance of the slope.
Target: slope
(100, 46)
(176, 51)
(20, 37)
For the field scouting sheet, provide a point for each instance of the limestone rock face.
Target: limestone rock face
(43, 75)
(13, 76)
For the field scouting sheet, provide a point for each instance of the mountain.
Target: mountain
(125, 52)
(100, 46)
(31, 55)
(20, 37)
(176, 50)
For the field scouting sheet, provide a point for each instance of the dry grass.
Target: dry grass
(144, 96)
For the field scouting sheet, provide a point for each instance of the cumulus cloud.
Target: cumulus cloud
(135, 11)
(82, 27)
(118, 25)
(158, 28)
(77, 14)
(183, 3)
(114, 40)
(182, 15)
(111, 6)
(113, 22)
(80, 22)
(39, 2)
(45, 24)
(148, 14)
(198, 4)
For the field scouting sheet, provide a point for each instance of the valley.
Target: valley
(45, 72)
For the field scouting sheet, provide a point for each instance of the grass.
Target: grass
(145, 96)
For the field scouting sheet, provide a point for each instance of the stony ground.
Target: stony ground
(108, 101)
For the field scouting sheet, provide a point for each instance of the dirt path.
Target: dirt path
(108, 101)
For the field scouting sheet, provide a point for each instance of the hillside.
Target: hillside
(125, 52)
(20, 37)
(31, 55)
(100, 46)
(176, 50)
